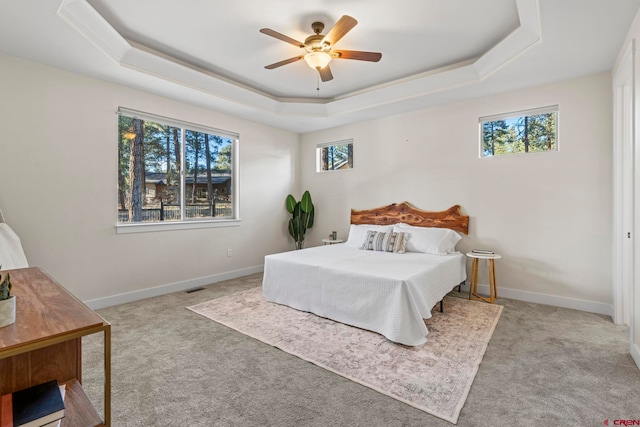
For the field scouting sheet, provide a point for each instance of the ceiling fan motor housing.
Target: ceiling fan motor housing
(315, 44)
(317, 27)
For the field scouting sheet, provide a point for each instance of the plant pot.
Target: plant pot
(8, 311)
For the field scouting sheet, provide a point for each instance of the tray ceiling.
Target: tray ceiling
(211, 53)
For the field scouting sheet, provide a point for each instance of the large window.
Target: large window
(171, 171)
(334, 156)
(520, 132)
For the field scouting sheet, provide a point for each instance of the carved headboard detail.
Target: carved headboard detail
(404, 212)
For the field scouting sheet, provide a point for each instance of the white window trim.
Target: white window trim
(329, 144)
(127, 228)
(177, 123)
(521, 113)
(514, 114)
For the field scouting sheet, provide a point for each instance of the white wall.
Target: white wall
(548, 214)
(58, 188)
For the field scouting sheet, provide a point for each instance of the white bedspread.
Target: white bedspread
(380, 291)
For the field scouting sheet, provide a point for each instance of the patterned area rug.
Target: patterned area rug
(435, 377)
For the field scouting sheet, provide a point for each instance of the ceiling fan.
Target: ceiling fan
(319, 47)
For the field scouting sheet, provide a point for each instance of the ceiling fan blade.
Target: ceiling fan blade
(357, 54)
(285, 62)
(272, 33)
(325, 74)
(342, 27)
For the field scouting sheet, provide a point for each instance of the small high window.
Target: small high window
(527, 131)
(334, 156)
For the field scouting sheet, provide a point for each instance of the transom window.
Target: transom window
(526, 131)
(171, 171)
(334, 156)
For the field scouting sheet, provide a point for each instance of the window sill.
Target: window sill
(168, 226)
(334, 170)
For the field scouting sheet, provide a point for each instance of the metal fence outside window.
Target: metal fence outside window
(172, 212)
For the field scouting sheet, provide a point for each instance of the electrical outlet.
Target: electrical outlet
(229, 252)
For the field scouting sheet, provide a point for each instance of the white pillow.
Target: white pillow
(358, 232)
(429, 240)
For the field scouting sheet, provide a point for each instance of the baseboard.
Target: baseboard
(554, 300)
(170, 288)
(635, 353)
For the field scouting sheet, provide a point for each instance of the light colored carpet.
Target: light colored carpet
(544, 366)
(435, 377)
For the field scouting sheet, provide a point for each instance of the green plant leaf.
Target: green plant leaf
(5, 287)
(307, 204)
(293, 230)
(309, 219)
(290, 203)
(296, 210)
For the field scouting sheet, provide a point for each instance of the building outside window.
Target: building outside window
(334, 156)
(171, 171)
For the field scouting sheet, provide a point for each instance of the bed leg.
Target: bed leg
(441, 306)
(460, 286)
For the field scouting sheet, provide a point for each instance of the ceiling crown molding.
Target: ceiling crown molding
(240, 98)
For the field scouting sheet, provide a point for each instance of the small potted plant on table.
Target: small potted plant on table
(7, 301)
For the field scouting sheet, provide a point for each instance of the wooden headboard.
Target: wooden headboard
(404, 212)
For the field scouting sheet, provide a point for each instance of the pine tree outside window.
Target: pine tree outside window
(172, 172)
(528, 131)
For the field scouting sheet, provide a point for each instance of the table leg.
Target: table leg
(107, 375)
(495, 284)
(492, 281)
(473, 282)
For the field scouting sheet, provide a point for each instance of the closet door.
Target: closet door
(626, 200)
(623, 191)
(626, 197)
(634, 291)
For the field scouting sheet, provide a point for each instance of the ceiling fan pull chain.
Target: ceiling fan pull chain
(318, 84)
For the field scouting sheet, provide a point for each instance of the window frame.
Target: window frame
(186, 224)
(518, 114)
(319, 148)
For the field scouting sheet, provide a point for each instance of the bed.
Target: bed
(388, 292)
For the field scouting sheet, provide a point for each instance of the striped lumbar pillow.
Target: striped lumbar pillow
(385, 242)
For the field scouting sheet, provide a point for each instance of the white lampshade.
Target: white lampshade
(317, 60)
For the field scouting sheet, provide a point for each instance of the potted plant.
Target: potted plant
(7, 302)
(302, 213)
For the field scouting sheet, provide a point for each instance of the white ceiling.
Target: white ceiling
(211, 53)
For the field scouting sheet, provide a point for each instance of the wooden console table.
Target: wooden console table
(45, 343)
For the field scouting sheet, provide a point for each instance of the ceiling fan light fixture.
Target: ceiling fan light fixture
(317, 60)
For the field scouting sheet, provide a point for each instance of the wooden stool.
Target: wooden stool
(473, 280)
